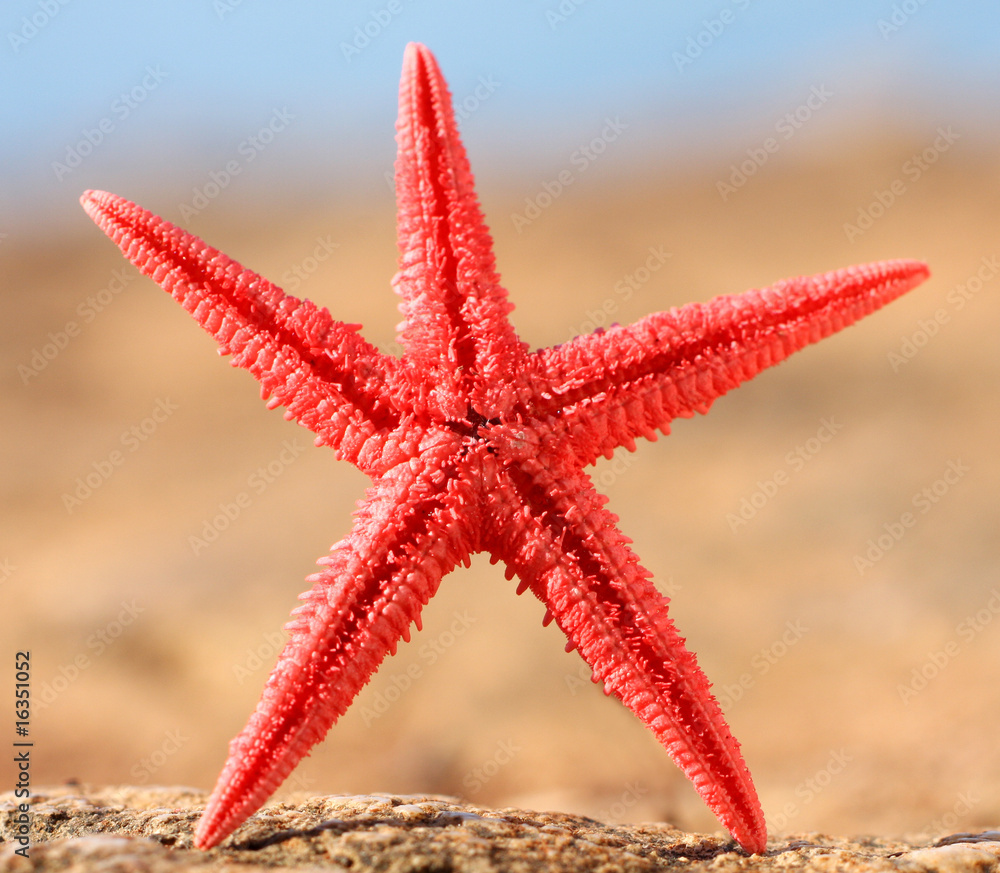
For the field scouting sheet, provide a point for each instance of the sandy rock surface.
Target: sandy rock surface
(151, 829)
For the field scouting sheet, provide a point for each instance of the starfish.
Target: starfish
(474, 443)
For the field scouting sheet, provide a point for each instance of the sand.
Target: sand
(150, 830)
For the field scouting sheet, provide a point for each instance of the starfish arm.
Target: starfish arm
(456, 325)
(566, 547)
(604, 390)
(326, 375)
(408, 533)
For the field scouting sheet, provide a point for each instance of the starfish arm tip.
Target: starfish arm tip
(91, 199)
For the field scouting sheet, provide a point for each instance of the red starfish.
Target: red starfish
(474, 443)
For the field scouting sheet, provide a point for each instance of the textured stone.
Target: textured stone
(151, 829)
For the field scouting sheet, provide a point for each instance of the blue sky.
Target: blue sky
(180, 87)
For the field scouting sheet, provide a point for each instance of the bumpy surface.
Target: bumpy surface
(149, 830)
(474, 443)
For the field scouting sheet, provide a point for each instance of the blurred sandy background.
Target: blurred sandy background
(148, 654)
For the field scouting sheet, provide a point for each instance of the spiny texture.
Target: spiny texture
(473, 443)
